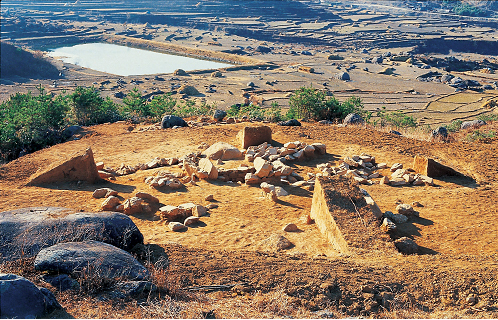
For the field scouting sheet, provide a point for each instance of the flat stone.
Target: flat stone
(396, 166)
(110, 203)
(147, 197)
(223, 151)
(206, 165)
(191, 220)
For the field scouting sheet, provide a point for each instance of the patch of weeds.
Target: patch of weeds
(478, 135)
(394, 118)
(454, 126)
(488, 117)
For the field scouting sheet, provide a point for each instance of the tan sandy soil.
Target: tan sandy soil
(456, 228)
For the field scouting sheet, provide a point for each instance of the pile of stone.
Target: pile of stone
(289, 152)
(235, 175)
(363, 169)
(165, 179)
(179, 217)
(123, 169)
(272, 192)
(390, 222)
(137, 204)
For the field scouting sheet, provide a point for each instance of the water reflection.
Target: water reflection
(125, 61)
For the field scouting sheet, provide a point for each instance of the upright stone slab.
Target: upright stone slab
(253, 136)
(344, 217)
(79, 167)
(432, 168)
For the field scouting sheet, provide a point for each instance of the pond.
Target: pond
(126, 61)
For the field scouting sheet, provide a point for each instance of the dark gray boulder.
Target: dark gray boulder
(219, 115)
(20, 298)
(406, 245)
(344, 76)
(440, 133)
(170, 121)
(395, 132)
(290, 123)
(61, 282)
(91, 258)
(24, 232)
(353, 118)
(474, 124)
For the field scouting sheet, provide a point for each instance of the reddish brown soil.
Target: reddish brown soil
(456, 228)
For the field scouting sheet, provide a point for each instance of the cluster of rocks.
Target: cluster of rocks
(272, 192)
(390, 222)
(184, 215)
(71, 250)
(363, 169)
(165, 179)
(139, 203)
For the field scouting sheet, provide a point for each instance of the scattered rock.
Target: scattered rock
(198, 211)
(110, 203)
(104, 193)
(147, 197)
(290, 123)
(252, 179)
(216, 74)
(344, 76)
(396, 166)
(131, 206)
(91, 259)
(170, 121)
(191, 220)
(135, 288)
(396, 218)
(211, 206)
(176, 226)
(440, 133)
(290, 227)
(20, 298)
(223, 151)
(277, 241)
(219, 115)
(405, 209)
(209, 197)
(406, 245)
(180, 72)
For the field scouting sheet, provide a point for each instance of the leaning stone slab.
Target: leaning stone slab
(90, 259)
(79, 166)
(432, 168)
(24, 232)
(20, 298)
(253, 136)
(344, 217)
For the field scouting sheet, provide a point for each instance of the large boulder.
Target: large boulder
(24, 232)
(440, 133)
(20, 298)
(344, 76)
(474, 124)
(290, 123)
(253, 136)
(353, 118)
(92, 259)
(79, 167)
(170, 121)
(189, 90)
(223, 151)
(219, 115)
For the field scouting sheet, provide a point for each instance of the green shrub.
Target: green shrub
(394, 118)
(89, 108)
(234, 110)
(488, 117)
(135, 105)
(190, 109)
(30, 122)
(454, 126)
(478, 135)
(274, 113)
(465, 9)
(162, 105)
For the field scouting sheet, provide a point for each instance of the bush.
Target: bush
(89, 108)
(394, 118)
(161, 105)
(135, 105)
(29, 123)
(312, 103)
(488, 117)
(454, 126)
(478, 135)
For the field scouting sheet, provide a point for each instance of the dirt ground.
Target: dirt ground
(456, 229)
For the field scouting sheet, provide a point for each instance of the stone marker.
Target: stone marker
(253, 136)
(79, 167)
(432, 168)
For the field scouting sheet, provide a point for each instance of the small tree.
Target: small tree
(307, 103)
(88, 107)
